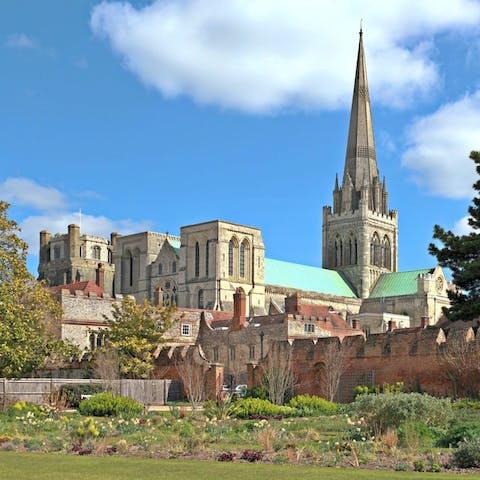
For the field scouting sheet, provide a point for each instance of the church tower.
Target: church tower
(360, 235)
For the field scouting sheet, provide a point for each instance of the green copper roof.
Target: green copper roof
(303, 277)
(175, 245)
(397, 283)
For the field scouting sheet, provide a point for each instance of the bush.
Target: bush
(260, 391)
(106, 404)
(417, 435)
(387, 410)
(460, 432)
(467, 403)
(467, 454)
(251, 455)
(73, 393)
(249, 407)
(313, 405)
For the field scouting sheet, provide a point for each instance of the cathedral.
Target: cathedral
(208, 263)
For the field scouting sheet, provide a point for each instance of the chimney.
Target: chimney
(239, 319)
(355, 323)
(392, 325)
(100, 276)
(292, 304)
(424, 321)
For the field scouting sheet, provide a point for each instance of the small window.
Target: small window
(309, 328)
(186, 330)
(160, 269)
(174, 266)
(215, 354)
(91, 339)
(232, 353)
(96, 252)
(56, 253)
(252, 352)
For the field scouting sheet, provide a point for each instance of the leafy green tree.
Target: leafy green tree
(461, 254)
(136, 331)
(29, 316)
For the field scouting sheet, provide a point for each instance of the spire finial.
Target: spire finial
(361, 29)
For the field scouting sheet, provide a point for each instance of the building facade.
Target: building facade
(209, 262)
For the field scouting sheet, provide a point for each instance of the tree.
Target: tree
(335, 362)
(192, 370)
(461, 360)
(29, 315)
(278, 372)
(136, 332)
(461, 254)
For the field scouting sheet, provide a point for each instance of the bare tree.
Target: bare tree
(278, 372)
(460, 355)
(107, 368)
(335, 362)
(192, 373)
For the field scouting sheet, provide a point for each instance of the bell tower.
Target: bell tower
(360, 233)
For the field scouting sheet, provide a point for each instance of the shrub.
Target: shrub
(313, 405)
(459, 432)
(73, 393)
(387, 410)
(260, 391)
(226, 457)
(251, 455)
(467, 403)
(416, 435)
(467, 454)
(107, 404)
(249, 407)
(419, 466)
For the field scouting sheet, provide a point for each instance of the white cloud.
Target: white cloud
(55, 212)
(462, 227)
(20, 40)
(266, 55)
(26, 192)
(439, 145)
(89, 224)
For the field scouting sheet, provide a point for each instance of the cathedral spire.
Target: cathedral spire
(360, 160)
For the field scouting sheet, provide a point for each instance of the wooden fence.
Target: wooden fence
(38, 390)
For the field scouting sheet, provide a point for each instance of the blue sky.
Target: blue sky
(152, 115)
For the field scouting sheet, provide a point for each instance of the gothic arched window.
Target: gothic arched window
(207, 257)
(244, 249)
(387, 253)
(197, 259)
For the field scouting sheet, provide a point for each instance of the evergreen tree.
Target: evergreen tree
(461, 254)
(29, 316)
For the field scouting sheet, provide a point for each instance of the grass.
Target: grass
(68, 467)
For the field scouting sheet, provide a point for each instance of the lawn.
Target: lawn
(20, 466)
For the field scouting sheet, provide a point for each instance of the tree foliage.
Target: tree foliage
(136, 332)
(29, 316)
(461, 254)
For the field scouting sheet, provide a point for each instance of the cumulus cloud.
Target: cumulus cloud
(54, 212)
(20, 40)
(462, 227)
(439, 145)
(26, 192)
(261, 56)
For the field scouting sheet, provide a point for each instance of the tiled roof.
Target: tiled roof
(303, 277)
(85, 287)
(397, 283)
